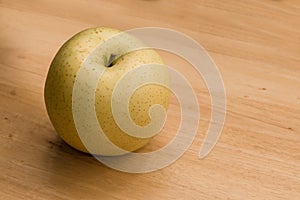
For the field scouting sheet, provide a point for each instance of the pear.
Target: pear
(58, 91)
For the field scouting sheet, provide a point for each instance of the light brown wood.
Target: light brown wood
(256, 45)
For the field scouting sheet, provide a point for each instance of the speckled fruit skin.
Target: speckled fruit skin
(60, 81)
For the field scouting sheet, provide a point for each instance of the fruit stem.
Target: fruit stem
(110, 60)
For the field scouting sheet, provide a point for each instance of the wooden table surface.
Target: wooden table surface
(256, 45)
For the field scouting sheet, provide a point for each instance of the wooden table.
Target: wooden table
(256, 45)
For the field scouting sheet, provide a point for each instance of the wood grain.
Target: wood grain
(256, 45)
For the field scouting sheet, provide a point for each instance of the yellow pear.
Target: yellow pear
(62, 75)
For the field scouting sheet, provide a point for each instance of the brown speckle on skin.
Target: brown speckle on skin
(262, 88)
